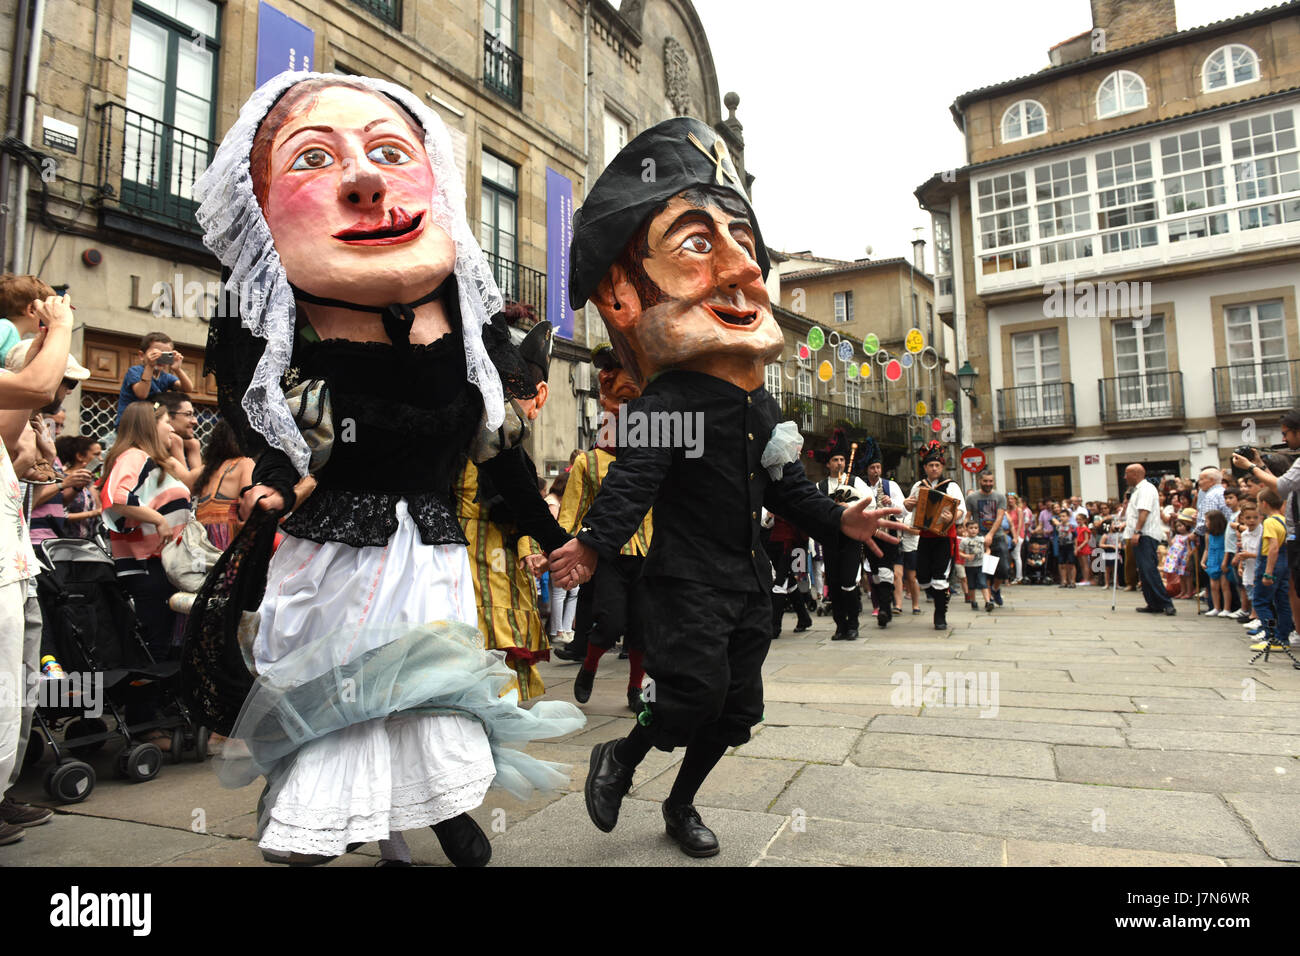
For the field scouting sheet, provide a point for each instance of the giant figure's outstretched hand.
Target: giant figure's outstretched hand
(863, 525)
(572, 564)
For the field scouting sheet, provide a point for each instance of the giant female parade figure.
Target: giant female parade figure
(365, 355)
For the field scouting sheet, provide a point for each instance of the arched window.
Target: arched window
(1023, 119)
(1228, 66)
(1121, 92)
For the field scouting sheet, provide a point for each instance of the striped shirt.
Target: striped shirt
(137, 480)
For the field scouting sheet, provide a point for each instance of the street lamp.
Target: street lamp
(966, 379)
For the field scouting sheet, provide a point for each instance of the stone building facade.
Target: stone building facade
(132, 96)
(1119, 255)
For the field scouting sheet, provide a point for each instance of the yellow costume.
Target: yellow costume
(585, 477)
(504, 592)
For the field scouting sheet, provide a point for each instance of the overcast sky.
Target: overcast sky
(845, 102)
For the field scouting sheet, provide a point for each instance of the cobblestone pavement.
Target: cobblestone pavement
(1052, 731)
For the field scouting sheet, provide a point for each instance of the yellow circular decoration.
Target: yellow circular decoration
(915, 341)
(921, 409)
(825, 371)
(864, 370)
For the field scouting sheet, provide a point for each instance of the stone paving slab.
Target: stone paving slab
(1200, 740)
(813, 744)
(783, 714)
(1037, 810)
(82, 840)
(1075, 697)
(1028, 853)
(991, 757)
(1231, 707)
(869, 844)
(998, 728)
(1272, 816)
(563, 835)
(1178, 770)
(737, 783)
(1034, 715)
(1224, 723)
(1169, 679)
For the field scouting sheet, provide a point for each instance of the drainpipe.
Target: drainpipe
(15, 111)
(586, 134)
(29, 114)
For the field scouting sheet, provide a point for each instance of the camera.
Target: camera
(1245, 451)
(167, 358)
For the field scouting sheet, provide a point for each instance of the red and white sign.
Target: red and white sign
(1092, 459)
(972, 460)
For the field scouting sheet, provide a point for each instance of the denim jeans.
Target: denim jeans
(1272, 603)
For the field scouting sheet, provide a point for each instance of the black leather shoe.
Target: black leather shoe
(568, 653)
(851, 634)
(608, 782)
(582, 685)
(634, 700)
(1146, 610)
(684, 825)
(800, 628)
(463, 841)
(839, 635)
(1170, 611)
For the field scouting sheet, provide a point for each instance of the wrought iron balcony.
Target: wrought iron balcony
(520, 283)
(815, 416)
(1144, 397)
(1049, 406)
(147, 168)
(1256, 386)
(503, 70)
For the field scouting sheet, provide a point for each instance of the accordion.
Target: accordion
(935, 512)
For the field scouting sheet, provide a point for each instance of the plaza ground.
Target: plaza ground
(1118, 739)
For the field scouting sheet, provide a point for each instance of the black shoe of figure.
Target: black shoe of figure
(463, 841)
(634, 700)
(568, 653)
(608, 782)
(684, 825)
(582, 685)
(884, 614)
(851, 634)
(839, 635)
(988, 606)
(997, 597)
(803, 626)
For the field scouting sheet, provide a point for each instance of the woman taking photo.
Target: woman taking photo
(79, 453)
(145, 504)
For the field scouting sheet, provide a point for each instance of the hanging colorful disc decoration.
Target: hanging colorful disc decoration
(936, 425)
(906, 359)
(915, 341)
(948, 405)
(825, 371)
(804, 352)
(870, 343)
(894, 370)
(816, 338)
(844, 351)
(865, 370)
(921, 408)
(852, 370)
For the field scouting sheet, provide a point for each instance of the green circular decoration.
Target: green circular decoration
(816, 338)
(852, 371)
(948, 405)
(870, 343)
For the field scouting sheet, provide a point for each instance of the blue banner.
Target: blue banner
(282, 43)
(559, 235)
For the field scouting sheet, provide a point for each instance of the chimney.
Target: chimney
(1126, 22)
(918, 254)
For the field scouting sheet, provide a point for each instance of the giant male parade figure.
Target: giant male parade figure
(667, 248)
(366, 357)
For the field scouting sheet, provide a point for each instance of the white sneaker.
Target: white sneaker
(1254, 630)
(1211, 613)
(1253, 622)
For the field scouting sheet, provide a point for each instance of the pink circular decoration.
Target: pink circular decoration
(936, 425)
(803, 352)
(894, 370)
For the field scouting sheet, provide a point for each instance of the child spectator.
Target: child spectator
(1109, 546)
(1083, 549)
(159, 368)
(972, 551)
(1215, 562)
(1247, 552)
(1272, 603)
(959, 563)
(1174, 567)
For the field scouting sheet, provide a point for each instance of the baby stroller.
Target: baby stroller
(1036, 560)
(91, 629)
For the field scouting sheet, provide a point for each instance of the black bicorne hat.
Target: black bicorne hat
(536, 347)
(666, 159)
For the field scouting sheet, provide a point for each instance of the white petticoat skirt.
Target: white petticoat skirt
(392, 773)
